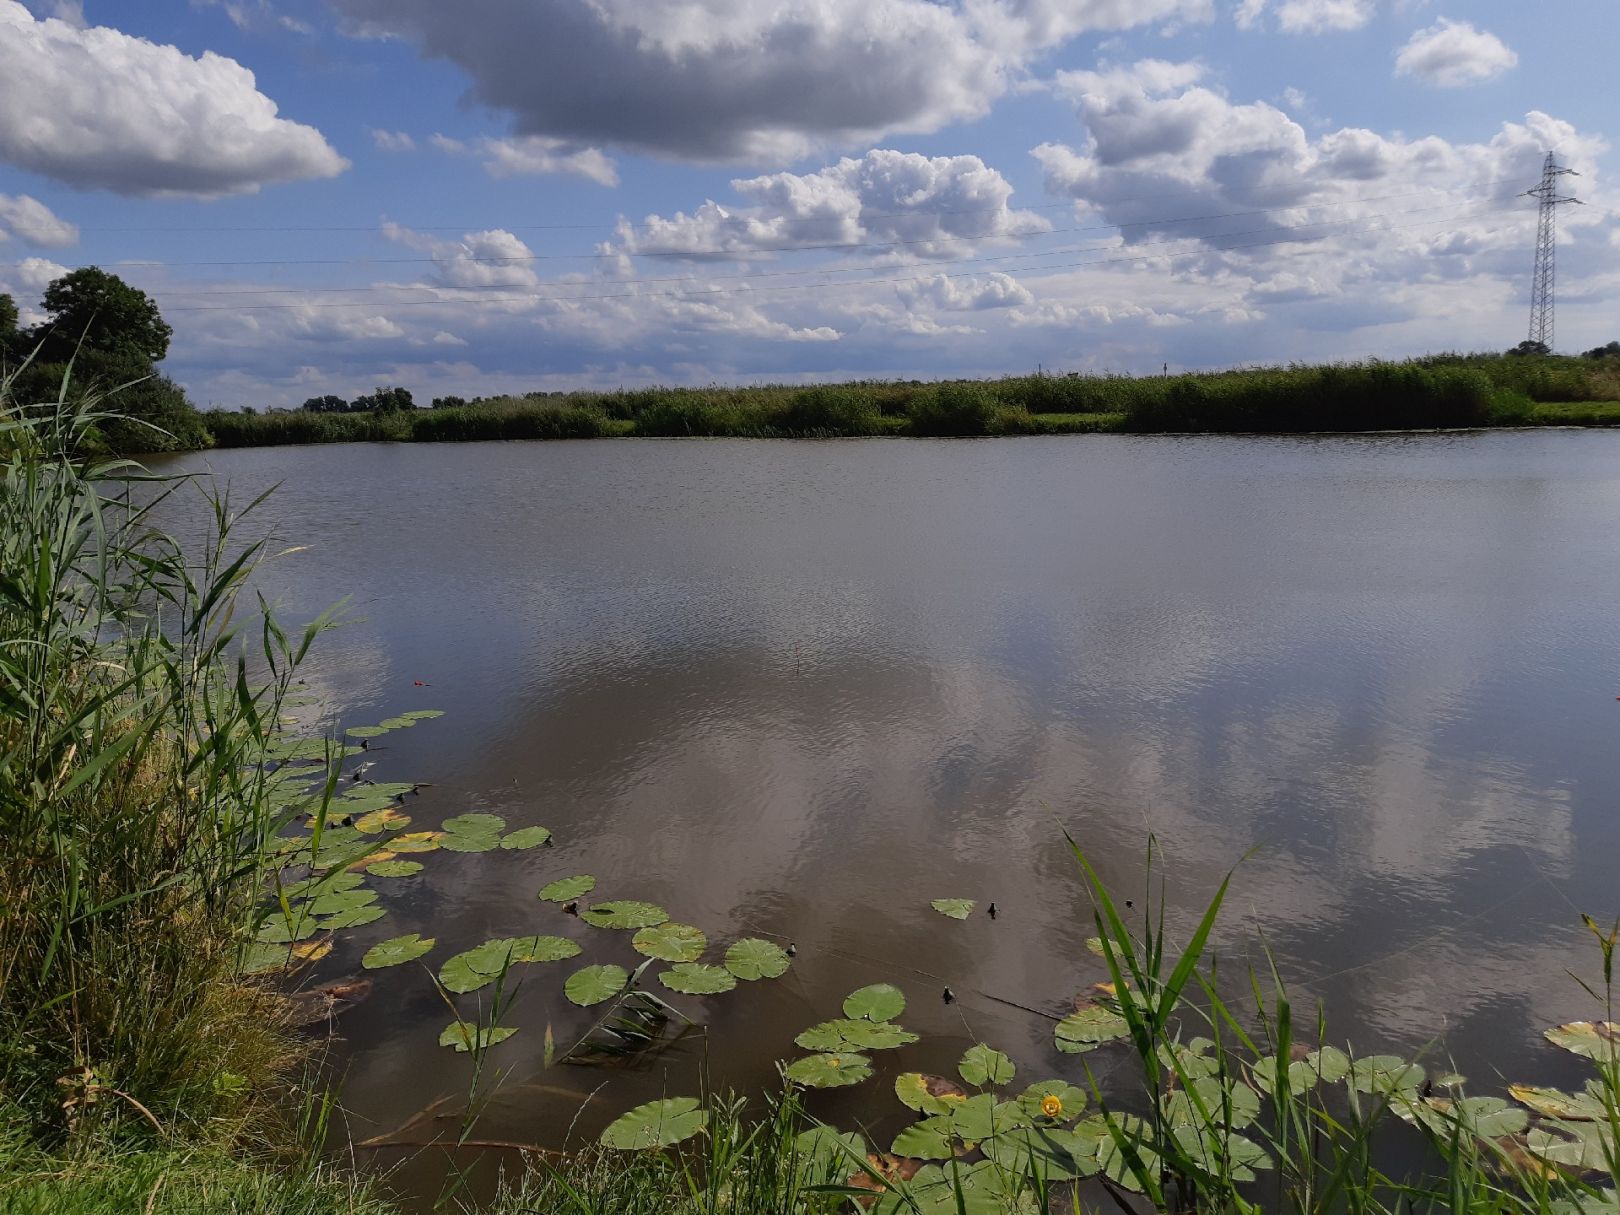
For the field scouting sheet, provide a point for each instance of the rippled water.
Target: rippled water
(803, 688)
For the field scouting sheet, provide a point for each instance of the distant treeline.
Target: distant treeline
(1446, 391)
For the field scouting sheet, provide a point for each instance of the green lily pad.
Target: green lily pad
(624, 913)
(423, 714)
(1385, 1074)
(879, 1002)
(1095, 945)
(928, 1094)
(337, 901)
(465, 1036)
(323, 885)
(1328, 1065)
(355, 917)
(1116, 1163)
(263, 957)
(1591, 1039)
(752, 958)
(566, 889)
(544, 949)
(395, 869)
(1053, 1101)
(477, 967)
(394, 952)
(528, 837)
(475, 824)
(657, 1124)
(1585, 1147)
(829, 1070)
(595, 984)
(982, 1066)
(957, 909)
(366, 731)
(279, 930)
(1088, 1028)
(852, 1037)
(1481, 1117)
(929, 1139)
(827, 1156)
(1046, 1151)
(670, 942)
(1228, 1104)
(697, 979)
(469, 841)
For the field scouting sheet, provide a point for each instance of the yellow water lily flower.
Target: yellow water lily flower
(1051, 1105)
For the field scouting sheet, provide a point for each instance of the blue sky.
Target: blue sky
(507, 195)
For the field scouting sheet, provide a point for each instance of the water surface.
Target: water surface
(800, 689)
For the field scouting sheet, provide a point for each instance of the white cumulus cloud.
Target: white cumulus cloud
(937, 206)
(493, 258)
(1307, 16)
(742, 79)
(98, 108)
(31, 220)
(531, 155)
(1452, 54)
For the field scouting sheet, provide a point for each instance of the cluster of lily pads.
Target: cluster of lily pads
(977, 1142)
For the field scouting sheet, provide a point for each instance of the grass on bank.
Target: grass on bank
(1438, 392)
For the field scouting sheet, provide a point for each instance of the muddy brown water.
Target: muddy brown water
(800, 689)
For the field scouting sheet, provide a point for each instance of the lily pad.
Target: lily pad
(1088, 1028)
(657, 1124)
(475, 824)
(624, 913)
(982, 1066)
(386, 819)
(1053, 1101)
(366, 731)
(477, 967)
(416, 841)
(395, 869)
(1328, 1065)
(829, 1070)
(465, 1036)
(1046, 1151)
(1228, 1104)
(544, 949)
(929, 1139)
(878, 1002)
(671, 942)
(394, 952)
(752, 958)
(1481, 1117)
(957, 909)
(528, 837)
(697, 979)
(1589, 1106)
(279, 930)
(469, 841)
(852, 1037)
(1585, 1147)
(354, 917)
(928, 1094)
(1385, 1075)
(423, 714)
(565, 889)
(1591, 1039)
(595, 984)
(333, 902)
(323, 885)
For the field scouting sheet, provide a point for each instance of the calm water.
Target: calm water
(803, 688)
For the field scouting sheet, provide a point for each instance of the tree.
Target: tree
(326, 404)
(1611, 351)
(1530, 348)
(103, 312)
(449, 402)
(8, 323)
(385, 400)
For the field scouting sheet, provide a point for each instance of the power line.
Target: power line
(699, 293)
(182, 292)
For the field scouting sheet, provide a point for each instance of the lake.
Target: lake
(800, 689)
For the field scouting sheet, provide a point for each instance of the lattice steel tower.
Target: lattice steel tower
(1541, 287)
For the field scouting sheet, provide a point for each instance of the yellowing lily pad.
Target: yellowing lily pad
(956, 909)
(416, 841)
(928, 1094)
(1592, 1039)
(386, 819)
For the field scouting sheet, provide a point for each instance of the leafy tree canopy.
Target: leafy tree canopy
(106, 313)
(1611, 351)
(1529, 348)
(385, 400)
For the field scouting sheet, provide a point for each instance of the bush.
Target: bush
(529, 420)
(966, 408)
(830, 410)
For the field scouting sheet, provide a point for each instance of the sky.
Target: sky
(494, 196)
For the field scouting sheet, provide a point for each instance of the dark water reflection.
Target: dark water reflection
(803, 688)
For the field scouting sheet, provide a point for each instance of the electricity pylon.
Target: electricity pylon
(1541, 288)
